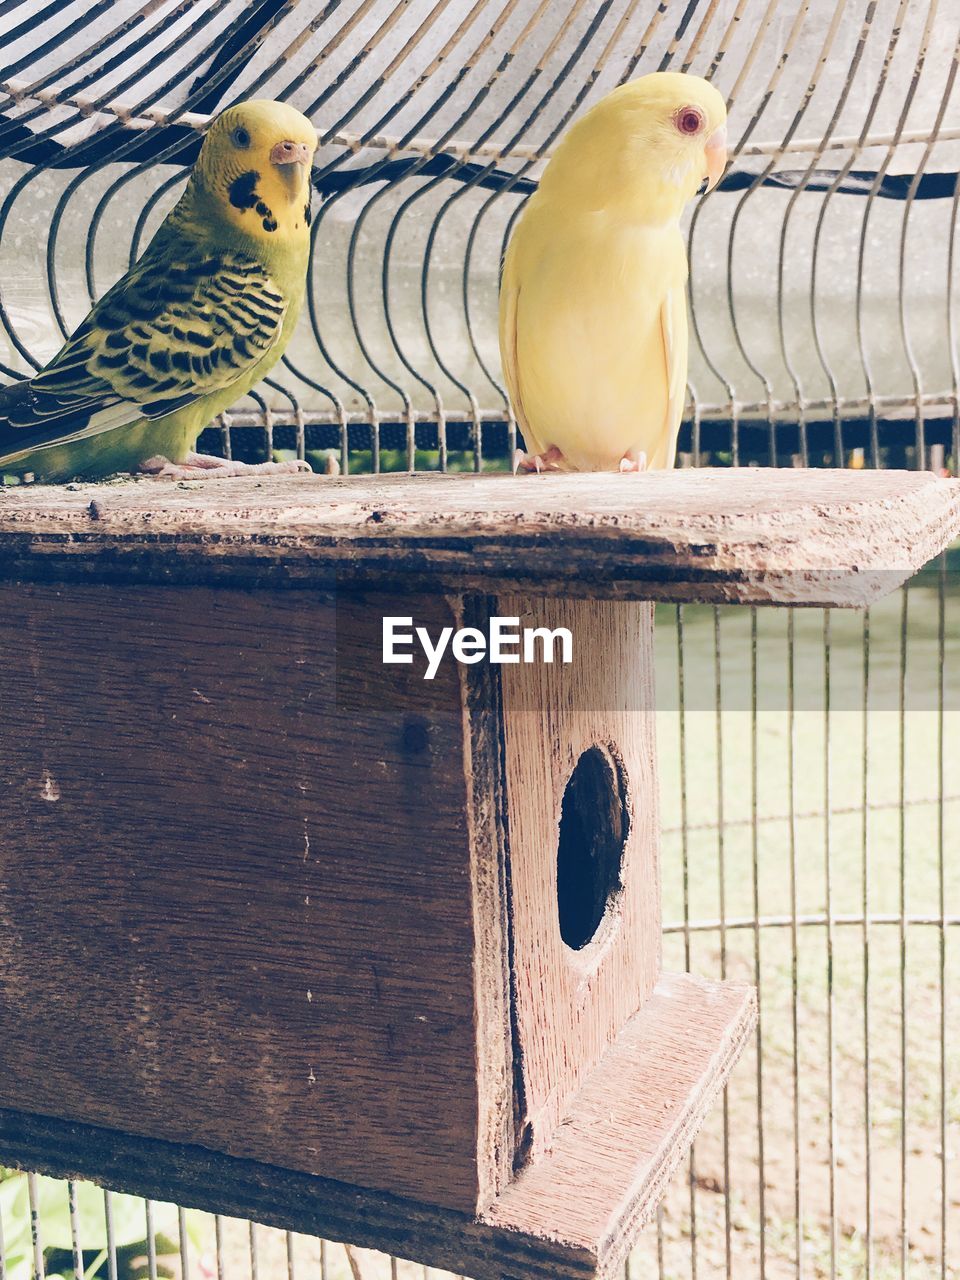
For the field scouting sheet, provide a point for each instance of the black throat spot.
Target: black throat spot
(243, 190)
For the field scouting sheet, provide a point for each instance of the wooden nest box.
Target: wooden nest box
(291, 933)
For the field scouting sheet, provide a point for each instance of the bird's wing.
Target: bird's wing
(169, 333)
(509, 306)
(673, 332)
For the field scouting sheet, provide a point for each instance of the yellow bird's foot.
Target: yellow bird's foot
(197, 466)
(633, 460)
(549, 461)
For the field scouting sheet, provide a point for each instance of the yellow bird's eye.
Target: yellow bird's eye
(689, 120)
(240, 137)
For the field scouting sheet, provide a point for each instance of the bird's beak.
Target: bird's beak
(293, 159)
(716, 155)
(291, 153)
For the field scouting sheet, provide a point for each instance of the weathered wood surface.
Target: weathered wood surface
(573, 1215)
(756, 535)
(570, 1004)
(498, 1125)
(236, 891)
(632, 1122)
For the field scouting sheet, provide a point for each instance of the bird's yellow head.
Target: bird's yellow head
(650, 144)
(255, 165)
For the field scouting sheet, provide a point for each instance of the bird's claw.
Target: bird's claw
(633, 460)
(539, 462)
(198, 466)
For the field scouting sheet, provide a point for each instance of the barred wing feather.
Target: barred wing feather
(166, 335)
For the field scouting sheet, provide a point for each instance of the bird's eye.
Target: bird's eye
(689, 120)
(240, 137)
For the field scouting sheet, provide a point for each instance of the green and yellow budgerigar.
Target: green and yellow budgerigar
(201, 317)
(593, 319)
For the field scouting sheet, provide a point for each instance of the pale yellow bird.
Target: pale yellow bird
(593, 312)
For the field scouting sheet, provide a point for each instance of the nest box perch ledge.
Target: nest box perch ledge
(290, 933)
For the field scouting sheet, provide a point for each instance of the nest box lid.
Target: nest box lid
(752, 536)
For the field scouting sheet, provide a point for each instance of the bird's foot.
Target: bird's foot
(549, 461)
(198, 466)
(633, 460)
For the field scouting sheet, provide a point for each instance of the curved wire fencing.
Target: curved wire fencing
(809, 759)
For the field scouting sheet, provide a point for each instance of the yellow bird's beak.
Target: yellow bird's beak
(716, 156)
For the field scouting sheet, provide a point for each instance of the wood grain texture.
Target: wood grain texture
(236, 890)
(631, 1123)
(487, 825)
(571, 1217)
(198, 1178)
(570, 1004)
(757, 535)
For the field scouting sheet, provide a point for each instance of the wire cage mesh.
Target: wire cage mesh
(808, 758)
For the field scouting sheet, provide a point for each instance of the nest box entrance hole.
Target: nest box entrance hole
(594, 826)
